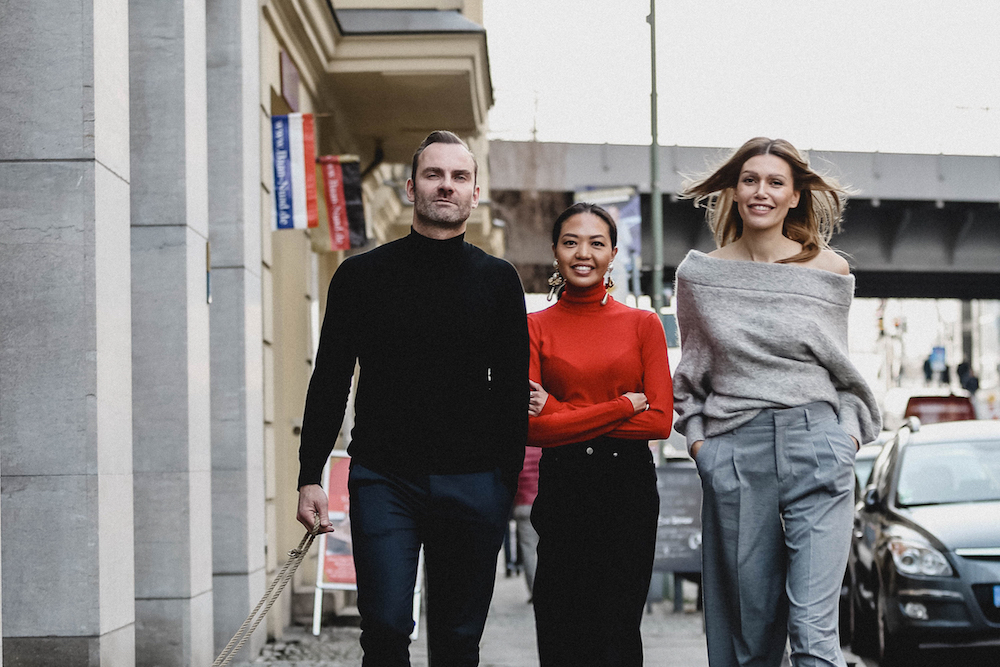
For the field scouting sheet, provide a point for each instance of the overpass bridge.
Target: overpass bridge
(919, 225)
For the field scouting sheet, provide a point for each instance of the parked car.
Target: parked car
(930, 405)
(864, 459)
(925, 555)
(936, 409)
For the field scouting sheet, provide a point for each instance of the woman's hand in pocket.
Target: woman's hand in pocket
(696, 447)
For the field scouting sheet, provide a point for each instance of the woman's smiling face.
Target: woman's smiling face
(765, 192)
(584, 251)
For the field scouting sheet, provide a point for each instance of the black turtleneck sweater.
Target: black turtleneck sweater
(440, 333)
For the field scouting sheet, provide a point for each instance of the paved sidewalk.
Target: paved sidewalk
(669, 639)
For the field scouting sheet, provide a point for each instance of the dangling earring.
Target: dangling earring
(556, 281)
(609, 285)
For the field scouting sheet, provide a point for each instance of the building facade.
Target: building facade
(156, 337)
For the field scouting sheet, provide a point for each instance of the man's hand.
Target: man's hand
(312, 503)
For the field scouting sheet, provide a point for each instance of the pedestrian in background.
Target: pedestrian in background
(601, 390)
(772, 407)
(527, 536)
(438, 328)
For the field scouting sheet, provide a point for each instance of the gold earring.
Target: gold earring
(556, 281)
(608, 286)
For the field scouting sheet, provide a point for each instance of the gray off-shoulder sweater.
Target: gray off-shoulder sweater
(756, 336)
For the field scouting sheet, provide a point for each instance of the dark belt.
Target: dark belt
(599, 449)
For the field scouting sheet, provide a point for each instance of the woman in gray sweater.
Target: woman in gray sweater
(771, 405)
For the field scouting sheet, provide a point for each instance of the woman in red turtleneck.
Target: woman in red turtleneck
(600, 390)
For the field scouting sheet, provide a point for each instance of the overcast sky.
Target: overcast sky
(856, 75)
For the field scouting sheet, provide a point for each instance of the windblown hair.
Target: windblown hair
(584, 207)
(812, 223)
(442, 137)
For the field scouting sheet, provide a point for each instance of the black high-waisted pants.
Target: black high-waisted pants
(595, 514)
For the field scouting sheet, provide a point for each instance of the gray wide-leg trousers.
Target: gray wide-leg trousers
(776, 520)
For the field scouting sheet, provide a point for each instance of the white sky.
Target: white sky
(921, 76)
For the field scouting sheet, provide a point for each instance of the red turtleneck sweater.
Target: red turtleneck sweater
(587, 356)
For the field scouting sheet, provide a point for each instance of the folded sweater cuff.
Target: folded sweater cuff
(694, 430)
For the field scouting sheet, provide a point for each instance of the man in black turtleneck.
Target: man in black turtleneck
(438, 328)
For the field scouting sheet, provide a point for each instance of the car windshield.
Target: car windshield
(949, 472)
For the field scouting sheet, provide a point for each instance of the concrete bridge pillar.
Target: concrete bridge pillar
(170, 333)
(234, 206)
(65, 350)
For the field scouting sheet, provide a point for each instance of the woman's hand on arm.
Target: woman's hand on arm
(639, 401)
(536, 398)
(652, 419)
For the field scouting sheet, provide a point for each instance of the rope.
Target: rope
(295, 557)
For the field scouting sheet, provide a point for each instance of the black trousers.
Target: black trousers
(460, 520)
(596, 515)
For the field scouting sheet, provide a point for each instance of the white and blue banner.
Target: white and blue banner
(294, 151)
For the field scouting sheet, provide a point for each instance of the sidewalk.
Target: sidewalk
(669, 639)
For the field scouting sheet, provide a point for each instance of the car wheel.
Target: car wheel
(862, 623)
(893, 650)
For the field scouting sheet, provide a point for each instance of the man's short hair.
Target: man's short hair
(442, 137)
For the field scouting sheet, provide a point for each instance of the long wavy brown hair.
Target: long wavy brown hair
(812, 223)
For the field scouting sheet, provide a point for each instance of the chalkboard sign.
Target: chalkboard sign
(678, 532)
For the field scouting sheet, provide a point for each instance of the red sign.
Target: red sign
(336, 202)
(336, 484)
(338, 550)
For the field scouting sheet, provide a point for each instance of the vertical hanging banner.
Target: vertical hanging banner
(294, 148)
(344, 208)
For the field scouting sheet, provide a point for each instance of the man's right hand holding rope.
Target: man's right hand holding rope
(313, 503)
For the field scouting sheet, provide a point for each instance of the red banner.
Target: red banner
(336, 204)
(309, 158)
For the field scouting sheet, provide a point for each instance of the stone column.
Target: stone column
(65, 350)
(234, 208)
(170, 333)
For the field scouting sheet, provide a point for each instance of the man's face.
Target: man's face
(445, 191)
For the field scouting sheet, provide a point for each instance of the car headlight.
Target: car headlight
(912, 557)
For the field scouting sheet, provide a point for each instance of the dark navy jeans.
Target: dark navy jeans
(460, 520)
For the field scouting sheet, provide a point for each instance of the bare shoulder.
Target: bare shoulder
(828, 260)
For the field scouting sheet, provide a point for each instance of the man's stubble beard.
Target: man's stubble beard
(449, 218)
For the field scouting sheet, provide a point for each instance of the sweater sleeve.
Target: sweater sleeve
(654, 422)
(858, 411)
(563, 423)
(326, 399)
(509, 372)
(691, 377)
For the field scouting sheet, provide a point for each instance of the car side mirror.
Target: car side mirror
(871, 498)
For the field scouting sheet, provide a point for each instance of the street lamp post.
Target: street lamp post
(655, 199)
